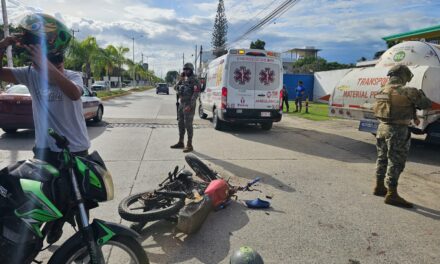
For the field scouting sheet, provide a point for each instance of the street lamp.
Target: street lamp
(134, 71)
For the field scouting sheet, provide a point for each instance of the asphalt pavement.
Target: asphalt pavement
(318, 175)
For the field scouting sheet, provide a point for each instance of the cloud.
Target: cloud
(346, 30)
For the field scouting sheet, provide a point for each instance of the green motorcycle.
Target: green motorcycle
(34, 195)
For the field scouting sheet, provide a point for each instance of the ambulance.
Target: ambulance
(243, 86)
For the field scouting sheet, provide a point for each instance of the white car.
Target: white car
(100, 85)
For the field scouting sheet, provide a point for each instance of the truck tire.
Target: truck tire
(266, 125)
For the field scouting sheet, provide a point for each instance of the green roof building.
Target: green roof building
(429, 34)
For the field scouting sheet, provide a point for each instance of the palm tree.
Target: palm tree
(120, 58)
(82, 54)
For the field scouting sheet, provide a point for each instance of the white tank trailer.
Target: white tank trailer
(353, 96)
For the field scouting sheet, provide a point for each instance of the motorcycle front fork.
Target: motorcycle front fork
(96, 256)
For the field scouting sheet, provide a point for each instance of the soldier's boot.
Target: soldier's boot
(380, 189)
(179, 145)
(393, 198)
(189, 147)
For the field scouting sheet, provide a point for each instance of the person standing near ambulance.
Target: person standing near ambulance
(300, 91)
(188, 90)
(285, 97)
(395, 108)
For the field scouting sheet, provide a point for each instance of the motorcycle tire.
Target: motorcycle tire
(148, 215)
(75, 251)
(200, 168)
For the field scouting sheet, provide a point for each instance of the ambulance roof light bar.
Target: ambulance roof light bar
(261, 53)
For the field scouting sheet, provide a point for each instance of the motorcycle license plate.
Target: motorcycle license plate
(265, 114)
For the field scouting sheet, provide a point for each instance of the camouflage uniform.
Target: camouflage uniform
(395, 108)
(188, 91)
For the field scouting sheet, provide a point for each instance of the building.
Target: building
(429, 34)
(290, 56)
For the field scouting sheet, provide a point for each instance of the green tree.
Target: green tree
(314, 64)
(87, 54)
(120, 58)
(19, 55)
(171, 76)
(220, 31)
(258, 44)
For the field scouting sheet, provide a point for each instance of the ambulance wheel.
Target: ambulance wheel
(202, 114)
(216, 122)
(266, 125)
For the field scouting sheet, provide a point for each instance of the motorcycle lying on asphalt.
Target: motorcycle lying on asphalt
(34, 195)
(166, 201)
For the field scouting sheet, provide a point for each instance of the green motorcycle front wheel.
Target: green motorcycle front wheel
(118, 250)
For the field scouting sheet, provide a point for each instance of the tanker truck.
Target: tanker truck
(354, 95)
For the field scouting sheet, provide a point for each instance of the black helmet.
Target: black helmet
(37, 26)
(188, 65)
(246, 255)
(401, 71)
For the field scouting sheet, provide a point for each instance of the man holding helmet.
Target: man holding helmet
(56, 92)
(395, 108)
(188, 90)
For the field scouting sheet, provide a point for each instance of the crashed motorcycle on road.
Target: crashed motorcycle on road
(181, 198)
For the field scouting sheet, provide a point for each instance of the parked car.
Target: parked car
(16, 108)
(162, 88)
(100, 85)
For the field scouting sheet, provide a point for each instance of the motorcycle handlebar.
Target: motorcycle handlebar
(61, 141)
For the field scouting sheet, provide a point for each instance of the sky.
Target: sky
(165, 29)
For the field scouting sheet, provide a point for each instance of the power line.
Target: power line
(262, 11)
(278, 11)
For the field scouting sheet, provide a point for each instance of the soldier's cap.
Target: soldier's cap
(188, 66)
(400, 71)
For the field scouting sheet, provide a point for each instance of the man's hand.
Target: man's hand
(4, 43)
(187, 109)
(36, 55)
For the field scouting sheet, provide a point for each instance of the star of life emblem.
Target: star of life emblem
(267, 76)
(242, 75)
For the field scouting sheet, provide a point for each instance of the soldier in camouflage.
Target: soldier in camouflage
(188, 90)
(395, 108)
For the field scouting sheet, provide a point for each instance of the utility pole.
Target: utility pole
(195, 62)
(134, 63)
(183, 60)
(200, 58)
(73, 37)
(6, 31)
(73, 33)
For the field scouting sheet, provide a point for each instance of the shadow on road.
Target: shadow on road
(247, 173)
(428, 212)
(330, 146)
(211, 244)
(424, 152)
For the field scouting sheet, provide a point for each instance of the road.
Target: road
(319, 175)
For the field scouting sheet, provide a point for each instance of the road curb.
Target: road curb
(114, 96)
